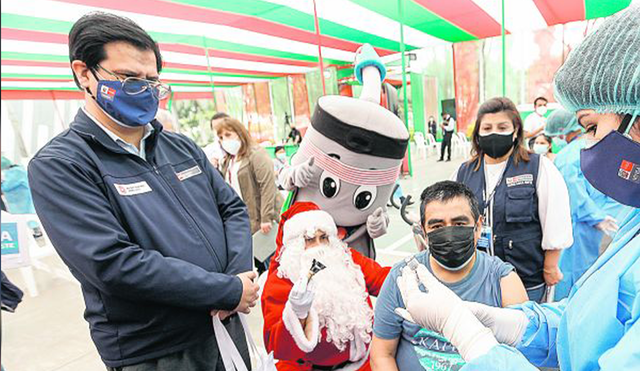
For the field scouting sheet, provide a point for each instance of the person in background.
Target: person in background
(15, 188)
(280, 159)
(167, 120)
(156, 238)
(213, 150)
(523, 198)
(448, 126)
(432, 125)
(279, 163)
(536, 121)
(295, 136)
(541, 144)
(452, 223)
(248, 168)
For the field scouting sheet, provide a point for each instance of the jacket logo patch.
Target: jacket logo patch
(132, 189)
(186, 174)
(520, 180)
(629, 171)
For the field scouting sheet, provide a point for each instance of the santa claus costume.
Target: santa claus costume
(337, 330)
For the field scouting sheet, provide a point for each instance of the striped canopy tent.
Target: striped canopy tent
(256, 40)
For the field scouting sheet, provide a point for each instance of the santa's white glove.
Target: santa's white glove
(298, 176)
(301, 297)
(507, 325)
(442, 311)
(377, 223)
(609, 225)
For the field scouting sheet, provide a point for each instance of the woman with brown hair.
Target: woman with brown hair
(522, 196)
(249, 170)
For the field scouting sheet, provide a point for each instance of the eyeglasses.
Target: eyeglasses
(135, 85)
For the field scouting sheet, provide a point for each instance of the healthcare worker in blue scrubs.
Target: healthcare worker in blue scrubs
(592, 213)
(597, 326)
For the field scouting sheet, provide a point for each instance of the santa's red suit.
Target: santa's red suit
(349, 318)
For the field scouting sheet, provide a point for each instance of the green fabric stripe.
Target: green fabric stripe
(295, 18)
(418, 17)
(40, 24)
(600, 8)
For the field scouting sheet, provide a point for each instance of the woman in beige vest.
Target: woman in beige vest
(248, 168)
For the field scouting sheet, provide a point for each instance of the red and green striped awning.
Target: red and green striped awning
(256, 40)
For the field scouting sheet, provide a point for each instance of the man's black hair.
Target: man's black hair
(219, 115)
(94, 30)
(535, 101)
(279, 148)
(445, 191)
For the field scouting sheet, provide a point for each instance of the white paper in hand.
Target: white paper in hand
(264, 244)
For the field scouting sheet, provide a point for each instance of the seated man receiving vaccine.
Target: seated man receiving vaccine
(452, 223)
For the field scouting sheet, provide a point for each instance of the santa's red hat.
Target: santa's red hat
(302, 218)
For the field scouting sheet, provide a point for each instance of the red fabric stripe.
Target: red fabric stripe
(211, 16)
(42, 95)
(466, 15)
(194, 67)
(557, 12)
(37, 36)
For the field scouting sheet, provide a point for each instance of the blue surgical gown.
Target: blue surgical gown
(595, 328)
(588, 208)
(15, 187)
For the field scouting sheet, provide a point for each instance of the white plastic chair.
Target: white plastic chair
(465, 145)
(421, 145)
(431, 144)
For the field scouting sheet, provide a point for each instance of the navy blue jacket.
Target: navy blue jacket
(155, 244)
(517, 232)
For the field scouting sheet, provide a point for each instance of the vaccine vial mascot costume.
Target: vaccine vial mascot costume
(350, 158)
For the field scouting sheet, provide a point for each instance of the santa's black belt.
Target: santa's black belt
(330, 368)
(357, 139)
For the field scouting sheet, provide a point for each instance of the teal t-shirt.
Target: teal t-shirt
(422, 349)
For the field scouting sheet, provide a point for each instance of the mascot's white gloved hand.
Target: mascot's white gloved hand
(377, 223)
(508, 325)
(297, 176)
(301, 297)
(441, 310)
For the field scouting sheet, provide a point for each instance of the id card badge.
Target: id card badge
(484, 242)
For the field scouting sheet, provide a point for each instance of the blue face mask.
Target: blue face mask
(612, 166)
(128, 110)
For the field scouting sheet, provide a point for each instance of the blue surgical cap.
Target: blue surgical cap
(603, 73)
(561, 122)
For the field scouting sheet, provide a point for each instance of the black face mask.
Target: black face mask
(452, 247)
(496, 145)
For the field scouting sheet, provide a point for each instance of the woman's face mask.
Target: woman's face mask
(231, 146)
(612, 164)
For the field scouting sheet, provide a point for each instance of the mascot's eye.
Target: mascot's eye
(329, 185)
(364, 197)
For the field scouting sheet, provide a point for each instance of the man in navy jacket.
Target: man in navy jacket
(156, 238)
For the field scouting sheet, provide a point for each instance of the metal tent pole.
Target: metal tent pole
(404, 78)
(315, 17)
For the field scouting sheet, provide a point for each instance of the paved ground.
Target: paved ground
(48, 332)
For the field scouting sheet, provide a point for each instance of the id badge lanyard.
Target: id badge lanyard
(486, 239)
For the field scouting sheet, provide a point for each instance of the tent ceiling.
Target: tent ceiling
(256, 40)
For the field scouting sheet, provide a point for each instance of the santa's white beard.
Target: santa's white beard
(340, 295)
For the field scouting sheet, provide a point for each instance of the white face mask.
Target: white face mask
(281, 156)
(542, 110)
(540, 149)
(231, 146)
